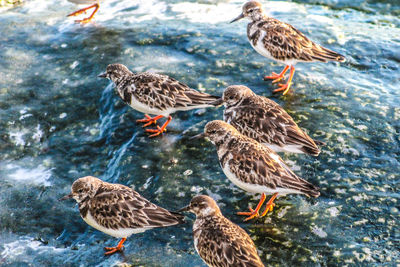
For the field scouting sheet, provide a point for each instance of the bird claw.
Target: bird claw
(283, 87)
(269, 207)
(83, 11)
(148, 120)
(275, 77)
(112, 250)
(155, 132)
(251, 214)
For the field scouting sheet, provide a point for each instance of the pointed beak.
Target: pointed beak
(187, 208)
(217, 102)
(103, 75)
(198, 136)
(66, 197)
(237, 18)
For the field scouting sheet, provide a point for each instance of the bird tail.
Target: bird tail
(303, 186)
(319, 143)
(198, 98)
(179, 217)
(323, 54)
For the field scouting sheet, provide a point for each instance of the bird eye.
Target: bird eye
(80, 190)
(195, 205)
(231, 97)
(213, 131)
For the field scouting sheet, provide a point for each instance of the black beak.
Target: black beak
(66, 197)
(187, 208)
(217, 102)
(198, 136)
(103, 75)
(237, 18)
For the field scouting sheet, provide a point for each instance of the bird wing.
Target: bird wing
(259, 165)
(128, 209)
(273, 125)
(163, 92)
(285, 42)
(225, 244)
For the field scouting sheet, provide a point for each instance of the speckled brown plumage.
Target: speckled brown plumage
(159, 94)
(253, 166)
(265, 121)
(218, 241)
(155, 94)
(281, 42)
(118, 210)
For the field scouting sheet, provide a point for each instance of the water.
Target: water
(60, 122)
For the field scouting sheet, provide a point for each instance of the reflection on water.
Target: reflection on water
(60, 122)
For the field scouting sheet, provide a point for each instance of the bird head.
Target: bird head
(234, 94)
(83, 188)
(202, 206)
(252, 10)
(115, 72)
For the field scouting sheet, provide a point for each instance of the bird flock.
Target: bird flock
(253, 130)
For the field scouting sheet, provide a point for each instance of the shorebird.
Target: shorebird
(118, 210)
(94, 4)
(155, 94)
(265, 121)
(281, 42)
(254, 167)
(217, 240)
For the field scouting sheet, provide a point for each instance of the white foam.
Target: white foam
(25, 245)
(38, 175)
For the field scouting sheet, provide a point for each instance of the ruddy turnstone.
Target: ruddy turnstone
(155, 94)
(93, 4)
(265, 121)
(118, 210)
(281, 42)
(254, 167)
(217, 240)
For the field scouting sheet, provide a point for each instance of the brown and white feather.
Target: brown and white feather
(118, 210)
(252, 166)
(281, 41)
(218, 241)
(265, 121)
(156, 94)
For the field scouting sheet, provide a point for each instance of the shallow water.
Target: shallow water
(60, 122)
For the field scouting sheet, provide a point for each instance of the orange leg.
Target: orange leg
(285, 87)
(159, 129)
(253, 213)
(270, 205)
(112, 250)
(149, 120)
(83, 10)
(277, 77)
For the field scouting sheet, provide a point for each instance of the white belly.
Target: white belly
(285, 148)
(139, 106)
(120, 233)
(254, 188)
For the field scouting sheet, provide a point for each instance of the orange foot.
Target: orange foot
(159, 129)
(83, 10)
(149, 120)
(277, 77)
(253, 213)
(112, 250)
(285, 87)
(270, 205)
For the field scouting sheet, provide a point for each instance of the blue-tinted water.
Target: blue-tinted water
(58, 122)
